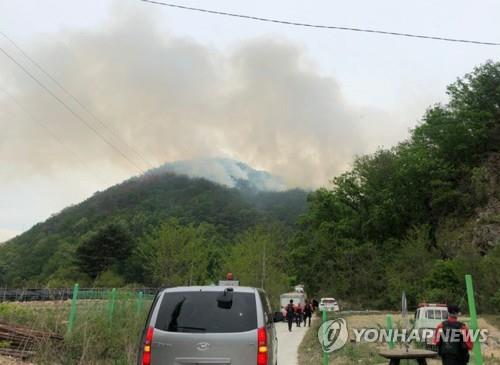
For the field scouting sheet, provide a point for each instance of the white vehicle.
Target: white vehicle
(428, 316)
(329, 305)
(299, 288)
(298, 298)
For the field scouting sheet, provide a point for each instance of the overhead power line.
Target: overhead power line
(319, 26)
(69, 109)
(75, 99)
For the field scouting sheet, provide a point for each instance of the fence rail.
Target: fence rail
(45, 294)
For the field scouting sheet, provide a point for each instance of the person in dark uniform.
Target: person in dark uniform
(452, 339)
(290, 315)
(315, 304)
(298, 315)
(308, 309)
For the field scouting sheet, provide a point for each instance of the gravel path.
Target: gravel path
(288, 343)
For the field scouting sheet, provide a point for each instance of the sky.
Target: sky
(159, 85)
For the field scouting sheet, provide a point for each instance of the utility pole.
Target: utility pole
(192, 264)
(191, 274)
(263, 277)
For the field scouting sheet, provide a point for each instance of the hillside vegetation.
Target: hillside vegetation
(159, 229)
(415, 217)
(418, 216)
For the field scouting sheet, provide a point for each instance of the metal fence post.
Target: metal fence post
(478, 356)
(325, 334)
(140, 298)
(111, 304)
(72, 311)
(390, 331)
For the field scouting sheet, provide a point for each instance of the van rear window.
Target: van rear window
(200, 312)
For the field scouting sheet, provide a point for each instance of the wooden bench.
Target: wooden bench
(395, 356)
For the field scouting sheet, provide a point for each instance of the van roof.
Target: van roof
(210, 288)
(432, 305)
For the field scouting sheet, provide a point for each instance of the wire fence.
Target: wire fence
(55, 294)
(91, 323)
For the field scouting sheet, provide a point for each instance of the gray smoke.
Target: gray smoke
(262, 102)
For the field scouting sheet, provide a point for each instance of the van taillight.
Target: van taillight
(146, 351)
(262, 352)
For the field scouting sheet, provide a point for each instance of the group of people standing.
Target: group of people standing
(299, 314)
(452, 337)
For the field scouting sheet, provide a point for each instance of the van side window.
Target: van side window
(266, 307)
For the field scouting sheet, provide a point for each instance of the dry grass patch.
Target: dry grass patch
(97, 337)
(4, 360)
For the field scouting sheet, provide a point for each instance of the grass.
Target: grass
(367, 353)
(96, 338)
(493, 319)
(352, 353)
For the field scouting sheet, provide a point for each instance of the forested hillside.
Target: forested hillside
(415, 217)
(418, 216)
(188, 227)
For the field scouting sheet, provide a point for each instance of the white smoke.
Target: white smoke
(262, 101)
(172, 98)
(227, 172)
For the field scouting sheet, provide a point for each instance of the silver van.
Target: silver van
(209, 325)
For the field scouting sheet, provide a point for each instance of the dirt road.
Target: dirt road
(288, 343)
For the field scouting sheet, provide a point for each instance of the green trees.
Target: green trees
(406, 218)
(259, 259)
(178, 254)
(109, 248)
(46, 254)
(403, 218)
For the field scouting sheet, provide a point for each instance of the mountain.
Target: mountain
(143, 204)
(227, 172)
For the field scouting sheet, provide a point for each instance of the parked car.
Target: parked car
(209, 325)
(329, 304)
(428, 316)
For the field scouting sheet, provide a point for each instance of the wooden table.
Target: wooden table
(395, 356)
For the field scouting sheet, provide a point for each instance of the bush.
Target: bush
(109, 279)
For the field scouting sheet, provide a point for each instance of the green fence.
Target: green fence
(109, 302)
